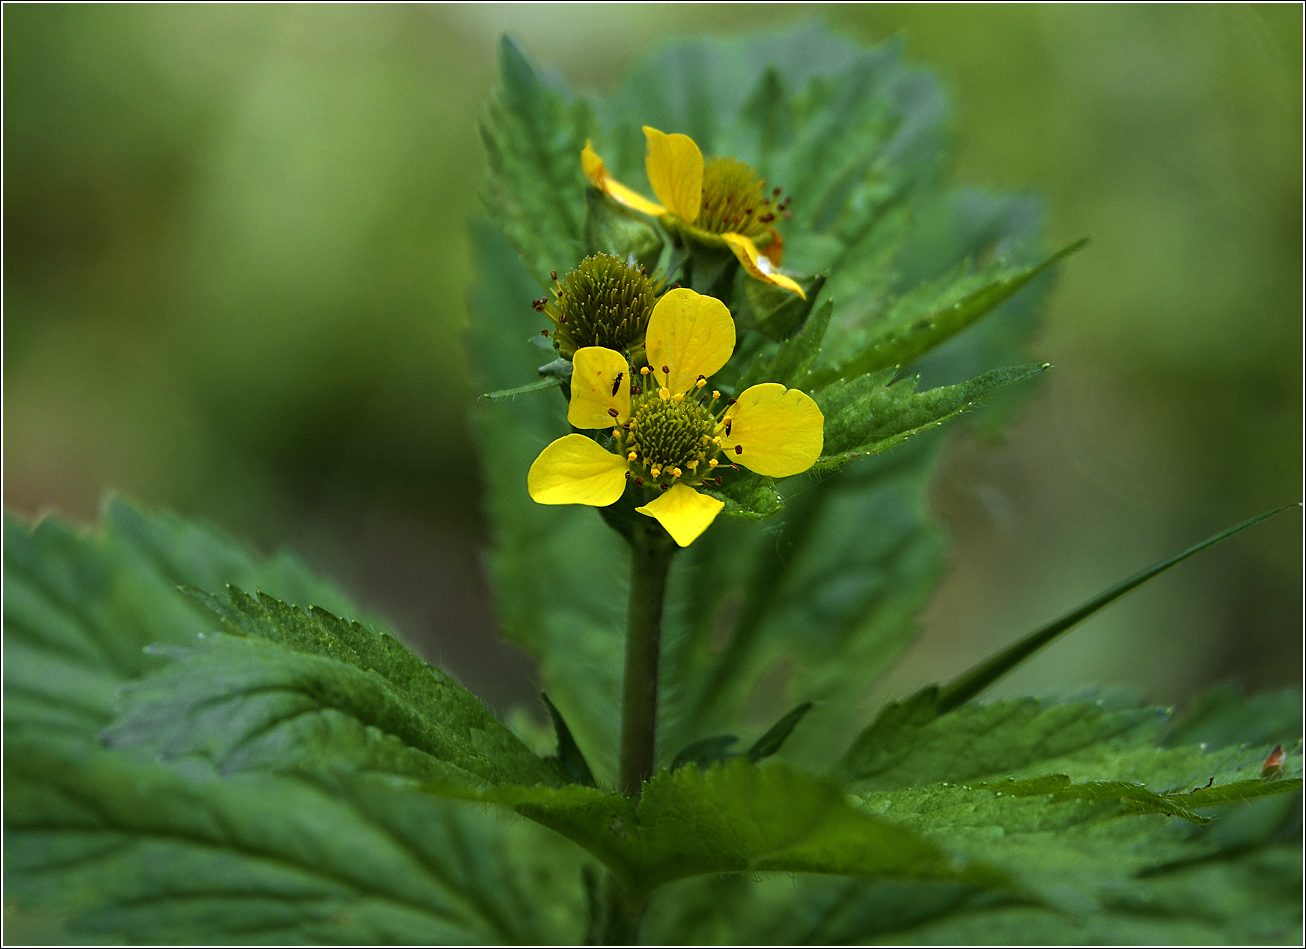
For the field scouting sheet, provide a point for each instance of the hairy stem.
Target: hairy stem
(650, 561)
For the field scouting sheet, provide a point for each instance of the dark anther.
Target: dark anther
(617, 384)
(627, 475)
(775, 192)
(731, 401)
(544, 332)
(613, 412)
(734, 466)
(718, 481)
(634, 390)
(739, 449)
(553, 274)
(539, 304)
(666, 370)
(675, 286)
(766, 219)
(701, 376)
(701, 401)
(639, 481)
(664, 486)
(729, 422)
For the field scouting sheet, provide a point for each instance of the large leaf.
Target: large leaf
(305, 689)
(80, 608)
(129, 850)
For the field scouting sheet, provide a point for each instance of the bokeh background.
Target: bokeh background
(236, 262)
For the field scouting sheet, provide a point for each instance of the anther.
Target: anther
(639, 480)
(664, 393)
(553, 274)
(712, 462)
(666, 370)
(632, 456)
(627, 475)
(634, 390)
(613, 412)
(718, 481)
(664, 486)
(700, 383)
(544, 332)
(643, 370)
(678, 397)
(716, 394)
(539, 304)
(729, 422)
(731, 401)
(739, 449)
(675, 472)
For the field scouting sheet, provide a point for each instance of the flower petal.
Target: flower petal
(675, 172)
(577, 470)
(774, 431)
(600, 386)
(598, 176)
(691, 334)
(683, 512)
(757, 265)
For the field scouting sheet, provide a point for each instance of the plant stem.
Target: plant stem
(650, 561)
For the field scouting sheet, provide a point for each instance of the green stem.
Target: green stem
(651, 551)
(650, 561)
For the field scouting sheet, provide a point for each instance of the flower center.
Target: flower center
(735, 200)
(603, 302)
(670, 435)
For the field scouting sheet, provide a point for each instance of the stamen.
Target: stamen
(632, 456)
(664, 486)
(716, 394)
(712, 462)
(639, 481)
(613, 412)
(643, 370)
(544, 332)
(739, 449)
(678, 397)
(664, 393)
(675, 472)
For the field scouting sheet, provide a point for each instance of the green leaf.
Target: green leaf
(1223, 717)
(774, 311)
(866, 415)
(304, 689)
(569, 755)
(975, 681)
(80, 607)
(534, 190)
(789, 363)
(137, 852)
(731, 818)
(620, 232)
(539, 385)
(910, 336)
(770, 743)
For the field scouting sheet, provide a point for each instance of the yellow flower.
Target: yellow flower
(669, 434)
(721, 202)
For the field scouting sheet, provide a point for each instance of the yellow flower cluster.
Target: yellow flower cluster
(670, 434)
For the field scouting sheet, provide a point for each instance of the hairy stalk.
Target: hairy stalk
(650, 562)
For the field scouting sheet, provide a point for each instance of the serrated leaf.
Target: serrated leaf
(137, 852)
(731, 818)
(80, 607)
(776, 735)
(305, 689)
(534, 190)
(789, 363)
(539, 385)
(865, 416)
(902, 344)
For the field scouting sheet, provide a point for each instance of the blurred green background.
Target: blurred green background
(236, 260)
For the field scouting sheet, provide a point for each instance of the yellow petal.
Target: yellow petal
(757, 265)
(598, 176)
(691, 334)
(778, 431)
(683, 512)
(600, 386)
(675, 172)
(577, 470)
